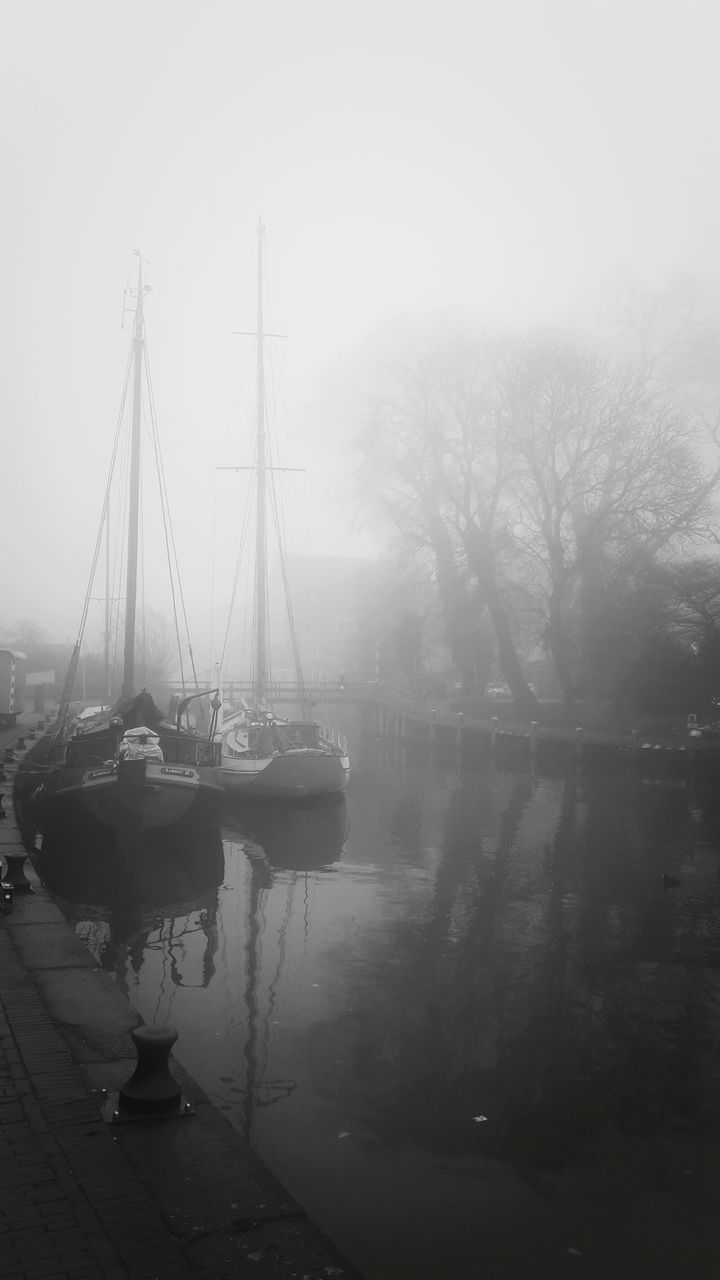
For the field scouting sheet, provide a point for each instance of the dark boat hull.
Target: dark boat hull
(141, 794)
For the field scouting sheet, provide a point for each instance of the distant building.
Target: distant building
(46, 669)
(338, 618)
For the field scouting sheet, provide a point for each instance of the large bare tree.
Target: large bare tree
(435, 464)
(606, 479)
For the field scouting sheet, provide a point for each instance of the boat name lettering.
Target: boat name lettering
(100, 773)
(179, 773)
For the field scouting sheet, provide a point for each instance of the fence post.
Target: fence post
(578, 744)
(533, 738)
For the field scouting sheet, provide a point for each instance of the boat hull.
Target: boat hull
(287, 773)
(138, 794)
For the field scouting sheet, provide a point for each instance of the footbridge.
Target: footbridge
(313, 692)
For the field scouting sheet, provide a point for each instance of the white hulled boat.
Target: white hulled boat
(262, 752)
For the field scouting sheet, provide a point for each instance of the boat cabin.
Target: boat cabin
(266, 737)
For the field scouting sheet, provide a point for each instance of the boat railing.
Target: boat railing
(334, 737)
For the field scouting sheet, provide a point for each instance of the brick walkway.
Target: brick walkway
(70, 1203)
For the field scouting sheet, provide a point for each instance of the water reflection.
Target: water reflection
(279, 845)
(462, 1018)
(126, 902)
(300, 837)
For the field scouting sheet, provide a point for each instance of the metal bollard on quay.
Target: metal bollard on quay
(16, 872)
(151, 1093)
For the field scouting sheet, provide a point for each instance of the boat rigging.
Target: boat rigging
(130, 765)
(263, 754)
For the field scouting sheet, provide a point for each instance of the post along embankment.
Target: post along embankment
(456, 738)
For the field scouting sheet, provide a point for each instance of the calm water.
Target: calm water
(458, 1015)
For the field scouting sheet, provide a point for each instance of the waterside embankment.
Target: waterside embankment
(505, 739)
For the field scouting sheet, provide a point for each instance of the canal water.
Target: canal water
(461, 1015)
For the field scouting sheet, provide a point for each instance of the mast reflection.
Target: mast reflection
(293, 840)
(120, 897)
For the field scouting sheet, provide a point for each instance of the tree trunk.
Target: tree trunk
(458, 607)
(481, 558)
(523, 697)
(557, 644)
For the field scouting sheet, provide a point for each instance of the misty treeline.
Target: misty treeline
(561, 506)
(98, 676)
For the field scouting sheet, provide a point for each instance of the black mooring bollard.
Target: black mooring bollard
(16, 872)
(20, 744)
(151, 1089)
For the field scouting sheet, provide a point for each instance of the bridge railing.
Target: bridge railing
(320, 690)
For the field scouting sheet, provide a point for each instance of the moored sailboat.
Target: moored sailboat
(265, 754)
(129, 765)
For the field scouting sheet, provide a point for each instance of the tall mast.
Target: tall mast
(108, 610)
(128, 682)
(260, 534)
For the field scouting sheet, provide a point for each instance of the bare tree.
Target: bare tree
(435, 464)
(606, 479)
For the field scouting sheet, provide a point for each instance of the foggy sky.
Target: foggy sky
(513, 163)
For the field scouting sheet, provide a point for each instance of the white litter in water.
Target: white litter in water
(479, 1119)
(343, 1135)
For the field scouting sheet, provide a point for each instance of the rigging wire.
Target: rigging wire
(170, 545)
(231, 418)
(286, 589)
(281, 534)
(143, 615)
(213, 553)
(238, 561)
(72, 669)
(118, 565)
